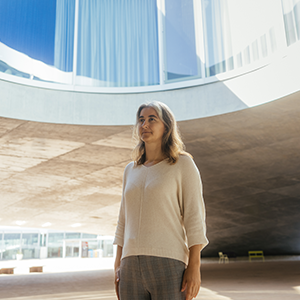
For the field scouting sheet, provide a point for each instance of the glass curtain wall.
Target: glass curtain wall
(181, 58)
(291, 15)
(72, 244)
(107, 248)
(117, 43)
(64, 35)
(43, 239)
(38, 44)
(11, 245)
(55, 244)
(30, 245)
(89, 236)
(37, 244)
(217, 37)
(238, 33)
(27, 30)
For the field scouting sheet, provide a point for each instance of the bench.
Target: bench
(37, 269)
(256, 254)
(7, 270)
(22, 270)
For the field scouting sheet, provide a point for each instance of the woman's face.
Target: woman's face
(151, 127)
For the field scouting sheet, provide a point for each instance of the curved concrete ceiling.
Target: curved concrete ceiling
(71, 176)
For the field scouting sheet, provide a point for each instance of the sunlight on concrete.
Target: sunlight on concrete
(105, 295)
(110, 294)
(207, 294)
(297, 289)
(257, 292)
(58, 265)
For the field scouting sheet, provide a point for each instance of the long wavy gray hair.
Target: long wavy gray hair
(172, 145)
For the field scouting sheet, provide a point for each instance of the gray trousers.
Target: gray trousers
(150, 277)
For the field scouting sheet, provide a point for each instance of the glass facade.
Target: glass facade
(72, 244)
(55, 244)
(291, 15)
(72, 248)
(37, 244)
(217, 37)
(30, 245)
(64, 35)
(115, 43)
(181, 55)
(11, 245)
(89, 236)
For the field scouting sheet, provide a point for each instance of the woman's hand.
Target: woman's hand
(117, 270)
(191, 278)
(117, 280)
(191, 282)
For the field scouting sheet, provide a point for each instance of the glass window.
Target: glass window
(264, 45)
(12, 245)
(117, 43)
(43, 239)
(44, 32)
(55, 244)
(108, 248)
(72, 248)
(93, 251)
(239, 29)
(30, 245)
(73, 235)
(64, 35)
(89, 236)
(55, 237)
(291, 16)
(239, 60)
(32, 30)
(100, 244)
(30, 239)
(246, 53)
(7, 69)
(273, 39)
(217, 37)
(255, 53)
(181, 56)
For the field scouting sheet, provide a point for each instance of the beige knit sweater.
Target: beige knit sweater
(162, 210)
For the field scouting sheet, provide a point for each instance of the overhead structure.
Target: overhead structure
(69, 177)
(73, 72)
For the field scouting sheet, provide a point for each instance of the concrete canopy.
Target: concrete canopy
(71, 176)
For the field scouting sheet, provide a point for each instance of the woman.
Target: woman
(161, 229)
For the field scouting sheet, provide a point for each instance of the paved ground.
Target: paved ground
(270, 280)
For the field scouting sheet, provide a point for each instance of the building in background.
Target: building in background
(42, 243)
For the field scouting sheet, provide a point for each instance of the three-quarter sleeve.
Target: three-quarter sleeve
(119, 235)
(193, 208)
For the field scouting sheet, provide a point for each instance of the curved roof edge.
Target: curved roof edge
(274, 81)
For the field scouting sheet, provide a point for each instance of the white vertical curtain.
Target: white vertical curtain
(64, 35)
(181, 56)
(117, 43)
(217, 37)
(291, 15)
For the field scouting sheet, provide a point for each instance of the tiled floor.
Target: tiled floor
(240, 280)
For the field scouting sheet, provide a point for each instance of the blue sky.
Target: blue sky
(28, 26)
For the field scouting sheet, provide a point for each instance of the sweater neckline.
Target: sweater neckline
(155, 164)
